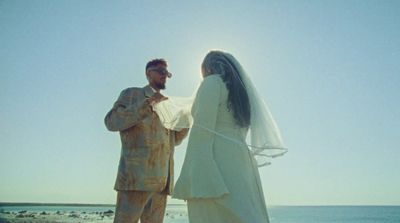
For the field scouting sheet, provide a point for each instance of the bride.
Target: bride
(219, 178)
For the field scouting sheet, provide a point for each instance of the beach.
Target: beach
(35, 213)
(32, 216)
(73, 217)
(75, 214)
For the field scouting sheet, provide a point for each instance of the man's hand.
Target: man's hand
(156, 98)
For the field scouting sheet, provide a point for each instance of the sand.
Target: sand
(171, 216)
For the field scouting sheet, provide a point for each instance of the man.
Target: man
(145, 172)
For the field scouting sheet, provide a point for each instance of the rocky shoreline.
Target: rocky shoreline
(55, 216)
(25, 216)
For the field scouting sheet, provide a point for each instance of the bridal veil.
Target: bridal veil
(264, 139)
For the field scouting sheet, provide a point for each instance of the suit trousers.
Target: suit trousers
(147, 206)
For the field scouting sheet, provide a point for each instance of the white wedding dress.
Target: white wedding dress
(219, 177)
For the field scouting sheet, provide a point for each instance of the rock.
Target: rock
(74, 215)
(20, 216)
(22, 212)
(43, 213)
(26, 215)
(108, 213)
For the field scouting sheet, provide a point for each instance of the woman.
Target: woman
(220, 178)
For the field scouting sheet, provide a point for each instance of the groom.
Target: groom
(145, 172)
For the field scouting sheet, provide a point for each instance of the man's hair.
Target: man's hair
(156, 62)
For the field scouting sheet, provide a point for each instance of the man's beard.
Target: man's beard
(160, 86)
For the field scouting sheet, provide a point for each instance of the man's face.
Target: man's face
(157, 76)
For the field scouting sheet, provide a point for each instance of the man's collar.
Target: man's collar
(148, 91)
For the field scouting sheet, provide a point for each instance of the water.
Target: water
(334, 214)
(278, 214)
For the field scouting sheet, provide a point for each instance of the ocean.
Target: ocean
(178, 213)
(334, 214)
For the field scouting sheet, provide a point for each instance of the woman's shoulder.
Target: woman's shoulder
(210, 87)
(212, 80)
(213, 77)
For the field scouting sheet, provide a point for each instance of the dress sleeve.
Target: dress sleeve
(126, 112)
(180, 135)
(200, 176)
(205, 112)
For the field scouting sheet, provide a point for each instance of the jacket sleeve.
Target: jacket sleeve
(127, 111)
(200, 176)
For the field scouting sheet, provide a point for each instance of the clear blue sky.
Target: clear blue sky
(329, 70)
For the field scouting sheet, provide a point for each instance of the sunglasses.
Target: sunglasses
(161, 71)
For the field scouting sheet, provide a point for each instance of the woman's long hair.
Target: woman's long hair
(216, 62)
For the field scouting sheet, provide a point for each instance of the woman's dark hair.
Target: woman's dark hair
(216, 62)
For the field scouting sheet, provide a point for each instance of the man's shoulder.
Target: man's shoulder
(131, 92)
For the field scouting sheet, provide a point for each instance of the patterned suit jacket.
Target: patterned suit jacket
(146, 162)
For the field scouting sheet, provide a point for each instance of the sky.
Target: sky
(329, 71)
